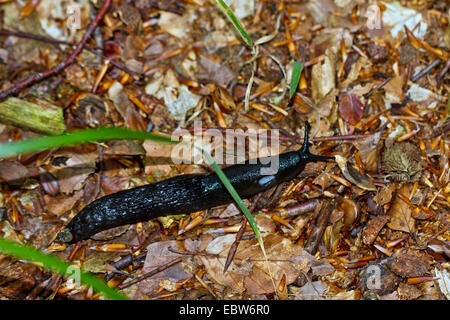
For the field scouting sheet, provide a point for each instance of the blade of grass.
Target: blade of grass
(55, 264)
(234, 194)
(235, 21)
(77, 137)
(243, 208)
(295, 78)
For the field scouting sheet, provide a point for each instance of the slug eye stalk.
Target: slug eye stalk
(304, 151)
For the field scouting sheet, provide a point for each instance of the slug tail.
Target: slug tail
(304, 151)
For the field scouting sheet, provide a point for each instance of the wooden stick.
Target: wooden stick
(62, 65)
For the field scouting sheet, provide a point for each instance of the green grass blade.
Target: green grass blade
(295, 78)
(55, 264)
(77, 137)
(235, 21)
(234, 194)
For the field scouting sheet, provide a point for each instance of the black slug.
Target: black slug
(184, 194)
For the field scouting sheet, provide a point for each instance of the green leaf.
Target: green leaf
(235, 21)
(296, 73)
(55, 264)
(77, 137)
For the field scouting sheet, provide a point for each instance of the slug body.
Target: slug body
(184, 194)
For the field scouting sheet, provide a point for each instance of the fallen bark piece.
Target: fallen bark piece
(40, 117)
(374, 227)
(409, 263)
(408, 292)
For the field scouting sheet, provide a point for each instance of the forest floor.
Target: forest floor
(374, 86)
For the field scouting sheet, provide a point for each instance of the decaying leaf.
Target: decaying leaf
(402, 162)
(408, 292)
(176, 96)
(353, 175)
(13, 172)
(407, 262)
(249, 270)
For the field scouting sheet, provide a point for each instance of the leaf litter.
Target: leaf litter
(374, 86)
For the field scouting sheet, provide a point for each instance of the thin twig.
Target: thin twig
(233, 248)
(282, 137)
(93, 49)
(62, 65)
(425, 71)
(150, 273)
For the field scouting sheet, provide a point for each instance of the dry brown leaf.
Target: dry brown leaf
(211, 71)
(408, 292)
(125, 148)
(159, 254)
(323, 75)
(384, 195)
(13, 172)
(73, 174)
(400, 213)
(351, 108)
(315, 290)
(407, 262)
(248, 271)
(61, 203)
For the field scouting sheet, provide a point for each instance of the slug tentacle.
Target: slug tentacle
(185, 194)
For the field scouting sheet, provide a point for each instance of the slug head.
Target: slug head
(304, 151)
(65, 236)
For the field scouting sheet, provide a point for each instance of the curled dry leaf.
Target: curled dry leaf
(350, 209)
(351, 108)
(249, 270)
(368, 149)
(353, 175)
